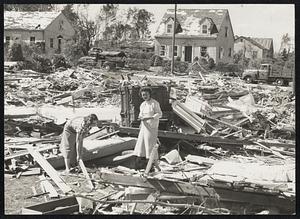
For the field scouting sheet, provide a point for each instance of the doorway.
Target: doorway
(188, 53)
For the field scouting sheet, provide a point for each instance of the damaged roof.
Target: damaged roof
(263, 43)
(35, 20)
(191, 19)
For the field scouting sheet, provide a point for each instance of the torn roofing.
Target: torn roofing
(263, 43)
(28, 20)
(191, 19)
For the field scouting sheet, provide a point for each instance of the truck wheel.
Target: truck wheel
(279, 82)
(248, 79)
(107, 67)
(286, 83)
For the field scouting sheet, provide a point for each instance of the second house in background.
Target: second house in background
(200, 33)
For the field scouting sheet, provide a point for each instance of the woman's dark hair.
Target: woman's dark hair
(91, 118)
(146, 89)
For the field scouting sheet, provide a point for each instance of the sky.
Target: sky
(253, 20)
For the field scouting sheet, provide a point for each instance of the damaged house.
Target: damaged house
(254, 48)
(201, 33)
(49, 30)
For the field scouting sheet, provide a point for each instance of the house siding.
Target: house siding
(24, 35)
(181, 43)
(226, 43)
(53, 31)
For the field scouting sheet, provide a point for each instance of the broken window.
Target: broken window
(32, 40)
(51, 42)
(204, 29)
(226, 31)
(203, 51)
(162, 51)
(169, 28)
(7, 40)
(229, 52)
(175, 50)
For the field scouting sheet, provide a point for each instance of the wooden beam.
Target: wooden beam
(203, 139)
(48, 187)
(49, 170)
(25, 152)
(170, 186)
(86, 174)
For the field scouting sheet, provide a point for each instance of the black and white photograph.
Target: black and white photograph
(149, 109)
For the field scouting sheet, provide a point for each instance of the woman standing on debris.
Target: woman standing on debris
(72, 136)
(149, 115)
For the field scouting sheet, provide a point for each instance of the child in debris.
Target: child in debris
(72, 137)
(149, 115)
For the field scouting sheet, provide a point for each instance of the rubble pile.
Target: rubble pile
(34, 91)
(238, 156)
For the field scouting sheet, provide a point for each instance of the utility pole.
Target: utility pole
(173, 41)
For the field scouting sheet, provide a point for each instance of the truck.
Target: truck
(268, 73)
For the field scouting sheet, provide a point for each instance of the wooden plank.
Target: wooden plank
(32, 171)
(86, 174)
(203, 139)
(26, 152)
(49, 170)
(48, 187)
(170, 186)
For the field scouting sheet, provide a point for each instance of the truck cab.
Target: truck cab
(254, 75)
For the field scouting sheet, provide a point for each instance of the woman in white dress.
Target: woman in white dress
(149, 115)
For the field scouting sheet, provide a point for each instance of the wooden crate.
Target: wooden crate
(67, 205)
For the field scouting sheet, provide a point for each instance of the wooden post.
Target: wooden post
(173, 41)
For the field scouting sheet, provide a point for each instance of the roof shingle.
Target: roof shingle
(190, 19)
(28, 20)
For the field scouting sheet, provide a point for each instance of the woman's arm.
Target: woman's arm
(157, 111)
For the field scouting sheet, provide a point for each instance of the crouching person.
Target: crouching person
(71, 141)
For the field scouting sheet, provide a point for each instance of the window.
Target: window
(204, 29)
(254, 54)
(221, 52)
(32, 40)
(169, 28)
(229, 52)
(61, 23)
(7, 40)
(175, 50)
(51, 42)
(226, 31)
(203, 51)
(162, 51)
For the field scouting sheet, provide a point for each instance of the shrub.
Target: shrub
(133, 54)
(16, 53)
(181, 67)
(42, 63)
(178, 58)
(224, 67)
(158, 61)
(29, 49)
(138, 64)
(59, 60)
(211, 63)
(73, 51)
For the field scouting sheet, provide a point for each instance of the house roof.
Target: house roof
(263, 43)
(191, 19)
(28, 20)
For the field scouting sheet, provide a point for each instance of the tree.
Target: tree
(73, 17)
(141, 19)
(15, 53)
(87, 30)
(28, 7)
(107, 15)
